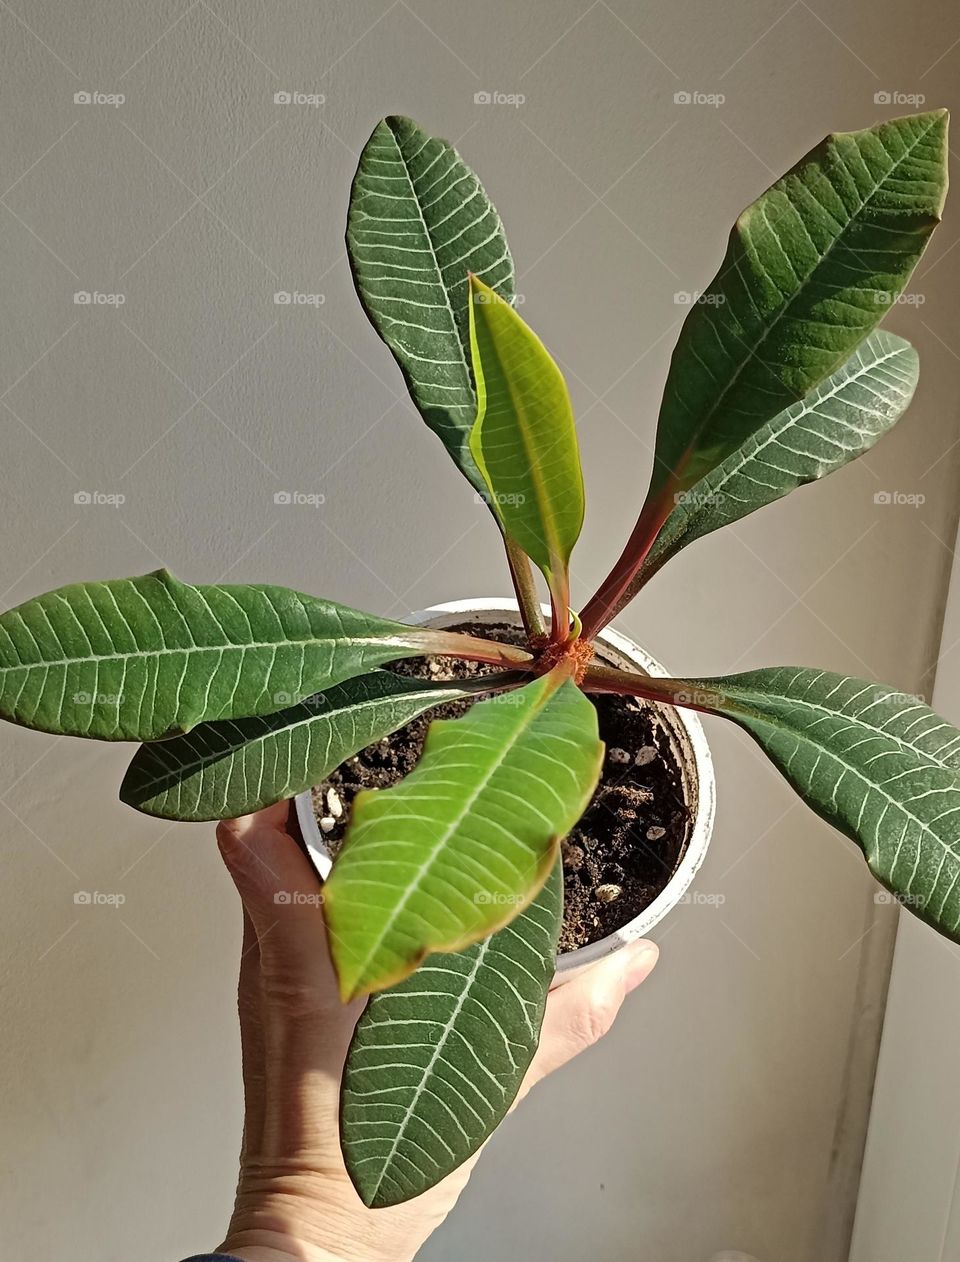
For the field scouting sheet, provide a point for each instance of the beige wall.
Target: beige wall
(707, 1121)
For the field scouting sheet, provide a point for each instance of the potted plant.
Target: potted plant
(445, 900)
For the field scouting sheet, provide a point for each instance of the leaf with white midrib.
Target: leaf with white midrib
(811, 268)
(458, 847)
(879, 765)
(419, 222)
(222, 770)
(145, 658)
(837, 422)
(436, 1061)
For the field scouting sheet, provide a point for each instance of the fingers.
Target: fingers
(283, 899)
(581, 1012)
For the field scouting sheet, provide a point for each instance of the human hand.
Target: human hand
(295, 1201)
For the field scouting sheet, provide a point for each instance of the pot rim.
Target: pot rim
(573, 962)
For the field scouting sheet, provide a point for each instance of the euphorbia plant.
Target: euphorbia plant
(445, 901)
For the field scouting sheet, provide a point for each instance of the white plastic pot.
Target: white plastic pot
(686, 737)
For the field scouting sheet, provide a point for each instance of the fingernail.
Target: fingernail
(642, 956)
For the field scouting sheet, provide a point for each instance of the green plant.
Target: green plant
(445, 903)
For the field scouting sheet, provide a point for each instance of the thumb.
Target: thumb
(581, 1012)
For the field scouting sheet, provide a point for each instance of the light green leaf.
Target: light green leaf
(437, 1061)
(878, 764)
(525, 440)
(221, 770)
(811, 268)
(419, 223)
(146, 658)
(467, 839)
(838, 421)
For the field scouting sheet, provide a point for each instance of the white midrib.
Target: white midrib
(461, 349)
(808, 408)
(925, 828)
(787, 306)
(414, 883)
(434, 1057)
(190, 649)
(437, 697)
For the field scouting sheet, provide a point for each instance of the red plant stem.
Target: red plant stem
(674, 692)
(615, 589)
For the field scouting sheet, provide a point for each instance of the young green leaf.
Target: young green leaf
(419, 222)
(145, 658)
(838, 421)
(524, 439)
(811, 268)
(221, 770)
(467, 839)
(437, 1060)
(879, 765)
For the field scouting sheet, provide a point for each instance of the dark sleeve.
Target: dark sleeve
(211, 1257)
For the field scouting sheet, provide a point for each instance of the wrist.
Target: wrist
(297, 1216)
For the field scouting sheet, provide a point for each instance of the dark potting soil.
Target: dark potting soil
(627, 844)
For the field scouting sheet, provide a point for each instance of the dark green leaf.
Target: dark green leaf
(419, 223)
(145, 658)
(838, 421)
(437, 1061)
(811, 268)
(878, 764)
(221, 770)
